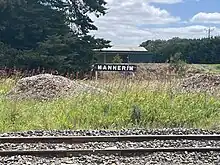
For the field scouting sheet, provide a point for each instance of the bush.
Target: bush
(117, 59)
(177, 64)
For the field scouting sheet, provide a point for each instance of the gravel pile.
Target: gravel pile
(164, 70)
(193, 158)
(201, 83)
(47, 86)
(153, 71)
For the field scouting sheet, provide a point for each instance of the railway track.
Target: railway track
(73, 140)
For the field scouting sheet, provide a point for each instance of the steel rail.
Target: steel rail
(121, 152)
(85, 139)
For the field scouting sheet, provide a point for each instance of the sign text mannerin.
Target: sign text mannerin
(113, 67)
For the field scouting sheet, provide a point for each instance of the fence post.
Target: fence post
(77, 74)
(96, 75)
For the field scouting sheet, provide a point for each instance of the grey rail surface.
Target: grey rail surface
(86, 139)
(121, 152)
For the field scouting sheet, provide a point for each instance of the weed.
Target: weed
(132, 103)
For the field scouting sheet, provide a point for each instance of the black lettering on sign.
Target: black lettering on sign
(114, 67)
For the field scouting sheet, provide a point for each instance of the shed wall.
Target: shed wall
(133, 58)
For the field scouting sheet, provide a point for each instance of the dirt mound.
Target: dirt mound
(158, 71)
(165, 70)
(146, 71)
(202, 83)
(47, 86)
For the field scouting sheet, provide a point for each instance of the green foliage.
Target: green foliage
(117, 59)
(51, 34)
(177, 64)
(25, 23)
(198, 51)
(8, 55)
(77, 12)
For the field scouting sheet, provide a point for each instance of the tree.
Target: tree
(77, 12)
(51, 33)
(203, 50)
(26, 23)
(8, 55)
(72, 53)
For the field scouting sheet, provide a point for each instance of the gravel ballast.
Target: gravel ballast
(150, 158)
(111, 145)
(211, 158)
(163, 131)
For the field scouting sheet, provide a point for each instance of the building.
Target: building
(128, 54)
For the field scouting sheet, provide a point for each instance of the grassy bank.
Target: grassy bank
(158, 107)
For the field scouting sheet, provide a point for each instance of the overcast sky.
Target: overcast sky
(130, 22)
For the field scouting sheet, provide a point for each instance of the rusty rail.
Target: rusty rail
(85, 139)
(120, 152)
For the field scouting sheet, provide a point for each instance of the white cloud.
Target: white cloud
(206, 18)
(134, 36)
(195, 31)
(137, 12)
(122, 23)
(166, 1)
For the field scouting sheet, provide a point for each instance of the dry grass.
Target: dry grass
(156, 100)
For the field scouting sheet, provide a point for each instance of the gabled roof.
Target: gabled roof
(125, 48)
(120, 48)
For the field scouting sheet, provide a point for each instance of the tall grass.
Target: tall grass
(153, 102)
(5, 85)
